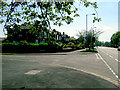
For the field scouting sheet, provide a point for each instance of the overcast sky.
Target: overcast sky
(107, 10)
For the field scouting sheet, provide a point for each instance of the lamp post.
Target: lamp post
(87, 24)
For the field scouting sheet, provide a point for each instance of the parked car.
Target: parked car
(118, 48)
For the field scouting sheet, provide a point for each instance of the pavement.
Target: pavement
(56, 70)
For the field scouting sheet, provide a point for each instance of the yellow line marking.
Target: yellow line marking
(98, 75)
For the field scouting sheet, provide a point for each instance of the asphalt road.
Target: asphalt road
(56, 70)
(110, 57)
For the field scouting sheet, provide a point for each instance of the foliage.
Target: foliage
(72, 40)
(28, 47)
(5, 44)
(24, 42)
(67, 46)
(108, 44)
(40, 14)
(115, 39)
(99, 43)
(89, 42)
(81, 38)
(71, 44)
(80, 45)
(90, 50)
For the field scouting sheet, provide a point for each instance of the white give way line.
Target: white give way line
(100, 57)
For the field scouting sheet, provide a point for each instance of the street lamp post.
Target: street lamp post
(87, 24)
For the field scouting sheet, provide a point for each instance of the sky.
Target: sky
(107, 10)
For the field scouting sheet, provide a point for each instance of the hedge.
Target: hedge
(29, 47)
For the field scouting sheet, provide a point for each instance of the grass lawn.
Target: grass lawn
(7, 53)
(91, 50)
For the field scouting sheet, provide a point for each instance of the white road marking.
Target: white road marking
(108, 66)
(110, 56)
(97, 56)
(32, 72)
(116, 59)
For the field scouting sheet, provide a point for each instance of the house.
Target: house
(41, 35)
(26, 33)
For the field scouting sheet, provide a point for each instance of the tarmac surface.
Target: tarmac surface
(56, 70)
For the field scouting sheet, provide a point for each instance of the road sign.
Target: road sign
(86, 38)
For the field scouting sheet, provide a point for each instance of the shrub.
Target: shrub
(29, 47)
(80, 45)
(23, 42)
(67, 46)
(43, 43)
(10, 44)
(72, 44)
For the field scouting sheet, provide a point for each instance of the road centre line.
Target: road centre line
(95, 74)
(108, 66)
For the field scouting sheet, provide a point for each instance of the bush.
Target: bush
(72, 44)
(67, 46)
(29, 47)
(80, 45)
(23, 42)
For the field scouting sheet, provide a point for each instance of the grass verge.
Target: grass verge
(91, 50)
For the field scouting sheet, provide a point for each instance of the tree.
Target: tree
(39, 14)
(115, 39)
(90, 38)
(99, 43)
(81, 36)
(108, 44)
